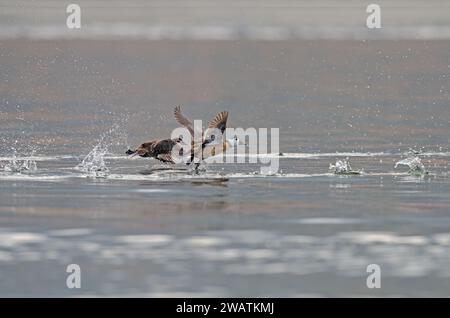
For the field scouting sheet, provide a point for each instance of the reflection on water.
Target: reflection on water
(162, 231)
(233, 257)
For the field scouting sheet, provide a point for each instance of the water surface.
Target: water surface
(137, 228)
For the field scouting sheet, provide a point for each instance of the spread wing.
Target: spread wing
(212, 138)
(183, 120)
(217, 123)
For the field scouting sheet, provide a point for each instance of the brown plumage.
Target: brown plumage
(162, 149)
(183, 120)
(158, 149)
(218, 122)
(208, 136)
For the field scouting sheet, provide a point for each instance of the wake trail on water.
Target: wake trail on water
(102, 161)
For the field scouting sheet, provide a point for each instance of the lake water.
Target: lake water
(139, 228)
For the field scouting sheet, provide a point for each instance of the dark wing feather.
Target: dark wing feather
(219, 122)
(166, 157)
(163, 146)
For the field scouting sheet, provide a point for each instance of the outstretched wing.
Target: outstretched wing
(183, 120)
(219, 122)
(212, 138)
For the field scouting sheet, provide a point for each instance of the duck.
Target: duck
(204, 143)
(211, 142)
(202, 140)
(158, 149)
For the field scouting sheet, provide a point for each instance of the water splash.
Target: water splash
(343, 167)
(415, 165)
(414, 152)
(94, 163)
(20, 166)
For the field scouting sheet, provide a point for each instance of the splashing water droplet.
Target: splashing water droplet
(343, 167)
(20, 166)
(414, 163)
(94, 163)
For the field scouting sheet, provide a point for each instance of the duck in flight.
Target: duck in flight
(204, 143)
(212, 142)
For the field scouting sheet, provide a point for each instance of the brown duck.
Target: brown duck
(210, 144)
(158, 149)
(162, 149)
